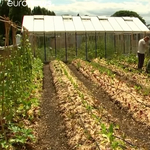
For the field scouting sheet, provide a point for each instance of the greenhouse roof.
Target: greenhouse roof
(50, 24)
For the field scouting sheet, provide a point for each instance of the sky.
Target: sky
(94, 8)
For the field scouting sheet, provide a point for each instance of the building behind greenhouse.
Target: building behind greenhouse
(67, 37)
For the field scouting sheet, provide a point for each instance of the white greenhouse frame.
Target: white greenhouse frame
(42, 25)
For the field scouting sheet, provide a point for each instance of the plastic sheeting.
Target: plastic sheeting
(79, 24)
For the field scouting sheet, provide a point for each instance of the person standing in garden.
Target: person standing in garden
(142, 45)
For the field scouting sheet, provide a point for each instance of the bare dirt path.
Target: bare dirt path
(50, 129)
(138, 132)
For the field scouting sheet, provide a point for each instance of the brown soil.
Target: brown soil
(51, 128)
(134, 130)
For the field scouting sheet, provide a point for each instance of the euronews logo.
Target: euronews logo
(14, 3)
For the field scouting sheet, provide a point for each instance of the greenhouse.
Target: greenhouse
(67, 37)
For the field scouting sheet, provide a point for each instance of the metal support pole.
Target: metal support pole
(55, 45)
(76, 44)
(105, 46)
(44, 49)
(95, 45)
(124, 45)
(115, 44)
(86, 51)
(65, 47)
(33, 44)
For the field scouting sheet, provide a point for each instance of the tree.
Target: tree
(4, 11)
(42, 11)
(36, 11)
(17, 12)
(125, 13)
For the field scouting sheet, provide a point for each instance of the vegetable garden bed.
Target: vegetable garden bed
(87, 122)
(126, 96)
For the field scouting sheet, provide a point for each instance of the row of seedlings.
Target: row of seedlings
(139, 81)
(125, 96)
(86, 121)
(127, 62)
(130, 62)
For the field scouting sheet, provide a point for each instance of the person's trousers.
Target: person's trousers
(141, 58)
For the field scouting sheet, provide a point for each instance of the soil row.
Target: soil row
(88, 124)
(123, 95)
(137, 78)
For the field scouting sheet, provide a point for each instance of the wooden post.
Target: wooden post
(7, 30)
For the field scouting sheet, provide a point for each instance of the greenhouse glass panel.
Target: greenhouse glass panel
(127, 44)
(28, 23)
(105, 23)
(78, 24)
(59, 24)
(123, 24)
(81, 45)
(90, 46)
(68, 23)
(110, 45)
(50, 47)
(140, 25)
(71, 45)
(134, 43)
(101, 44)
(96, 24)
(39, 46)
(131, 24)
(115, 24)
(60, 46)
(86, 20)
(38, 25)
(119, 44)
(49, 24)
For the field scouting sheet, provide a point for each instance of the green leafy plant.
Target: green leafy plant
(109, 134)
(21, 74)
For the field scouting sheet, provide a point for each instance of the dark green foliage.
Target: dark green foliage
(4, 11)
(19, 71)
(16, 13)
(42, 11)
